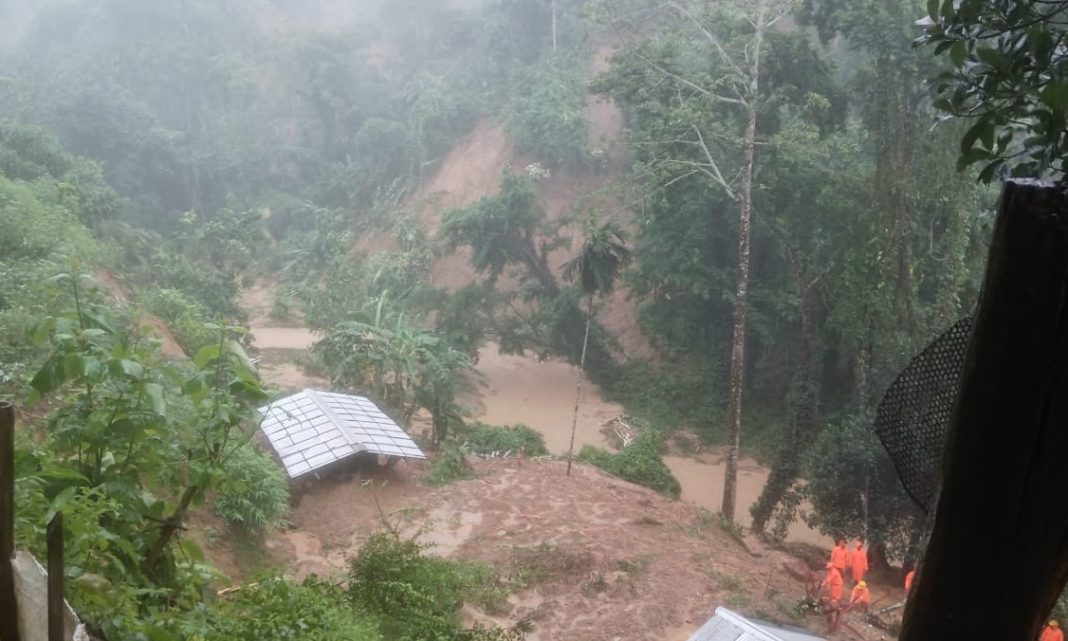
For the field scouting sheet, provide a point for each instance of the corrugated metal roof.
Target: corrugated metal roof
(311, 429)
(731, 626)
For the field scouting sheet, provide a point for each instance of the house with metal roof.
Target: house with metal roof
(311, 430)
(731, 626)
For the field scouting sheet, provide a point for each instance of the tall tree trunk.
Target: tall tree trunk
(803, 418)
(741, 296)
(578, 387)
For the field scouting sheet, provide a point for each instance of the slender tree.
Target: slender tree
(703, 63)
(598, 265)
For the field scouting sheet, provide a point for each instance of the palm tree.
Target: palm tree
(599, 264)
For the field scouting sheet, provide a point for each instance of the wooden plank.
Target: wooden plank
(56, 608)
(998, 554)
(9, 630)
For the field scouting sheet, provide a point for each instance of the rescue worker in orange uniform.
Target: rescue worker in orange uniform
(908, 580)
(1052, 632)
(860, 598)
(858, 562)
(840, 556)
(834, 584)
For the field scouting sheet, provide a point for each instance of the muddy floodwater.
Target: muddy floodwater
(541, 394)
(520, 389)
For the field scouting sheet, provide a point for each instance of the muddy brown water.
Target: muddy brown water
(541, 393)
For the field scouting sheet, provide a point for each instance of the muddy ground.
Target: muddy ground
(584, 557)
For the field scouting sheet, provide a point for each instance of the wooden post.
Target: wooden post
(9, 627)
(998, 554)
(56, 609)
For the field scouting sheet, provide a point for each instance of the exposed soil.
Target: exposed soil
(594, 558)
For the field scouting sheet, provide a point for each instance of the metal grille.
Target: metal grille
(913, 418)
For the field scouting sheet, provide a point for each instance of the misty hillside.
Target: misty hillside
(704, 236)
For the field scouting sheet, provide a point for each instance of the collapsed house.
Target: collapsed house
(313, 430)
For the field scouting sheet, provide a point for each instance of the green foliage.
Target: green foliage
(499, 439)
(30, 154)
(187, 318)
(465, 317)
(639, 462)
(30, 216)
(602, 259)
(206, 272)
(332, 287)
(254, 495)
(510, 231)
(275, 607)
(500, 230)
(140, 443)
(450, 465)
(1007, 76)
(548, 110)
(404, 368)
(848, 476)
(416, 597)
(668, 395)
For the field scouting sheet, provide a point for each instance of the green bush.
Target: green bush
(254, 495)
(493, 439)
(187, 318)
(549, 110)
(417, 597)
(639, 462)
(277, 608)
(450, 466)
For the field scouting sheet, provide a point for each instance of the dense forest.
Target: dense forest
(782, 212)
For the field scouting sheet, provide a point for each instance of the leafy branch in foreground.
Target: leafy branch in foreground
(140, 442)
(1009, 76)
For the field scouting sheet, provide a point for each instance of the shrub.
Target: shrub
(187, 318)
(277, 608)
(450, 466)
(254, 495)
(417, 597)
(549, 111)
(639, 462)
(500, 439)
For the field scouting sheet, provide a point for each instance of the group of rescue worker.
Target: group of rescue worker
(856, 562)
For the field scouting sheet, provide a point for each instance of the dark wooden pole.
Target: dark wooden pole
(998, 554)
(9, 626)
(56, 613)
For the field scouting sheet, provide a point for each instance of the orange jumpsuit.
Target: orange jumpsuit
(908, 580)
(840, 557)
(1051, 633)
(834, 583)
(860, 597)
(859, 563)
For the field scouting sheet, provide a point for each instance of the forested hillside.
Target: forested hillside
(766, 205)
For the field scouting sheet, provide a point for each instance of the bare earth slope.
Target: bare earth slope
(606, 559)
